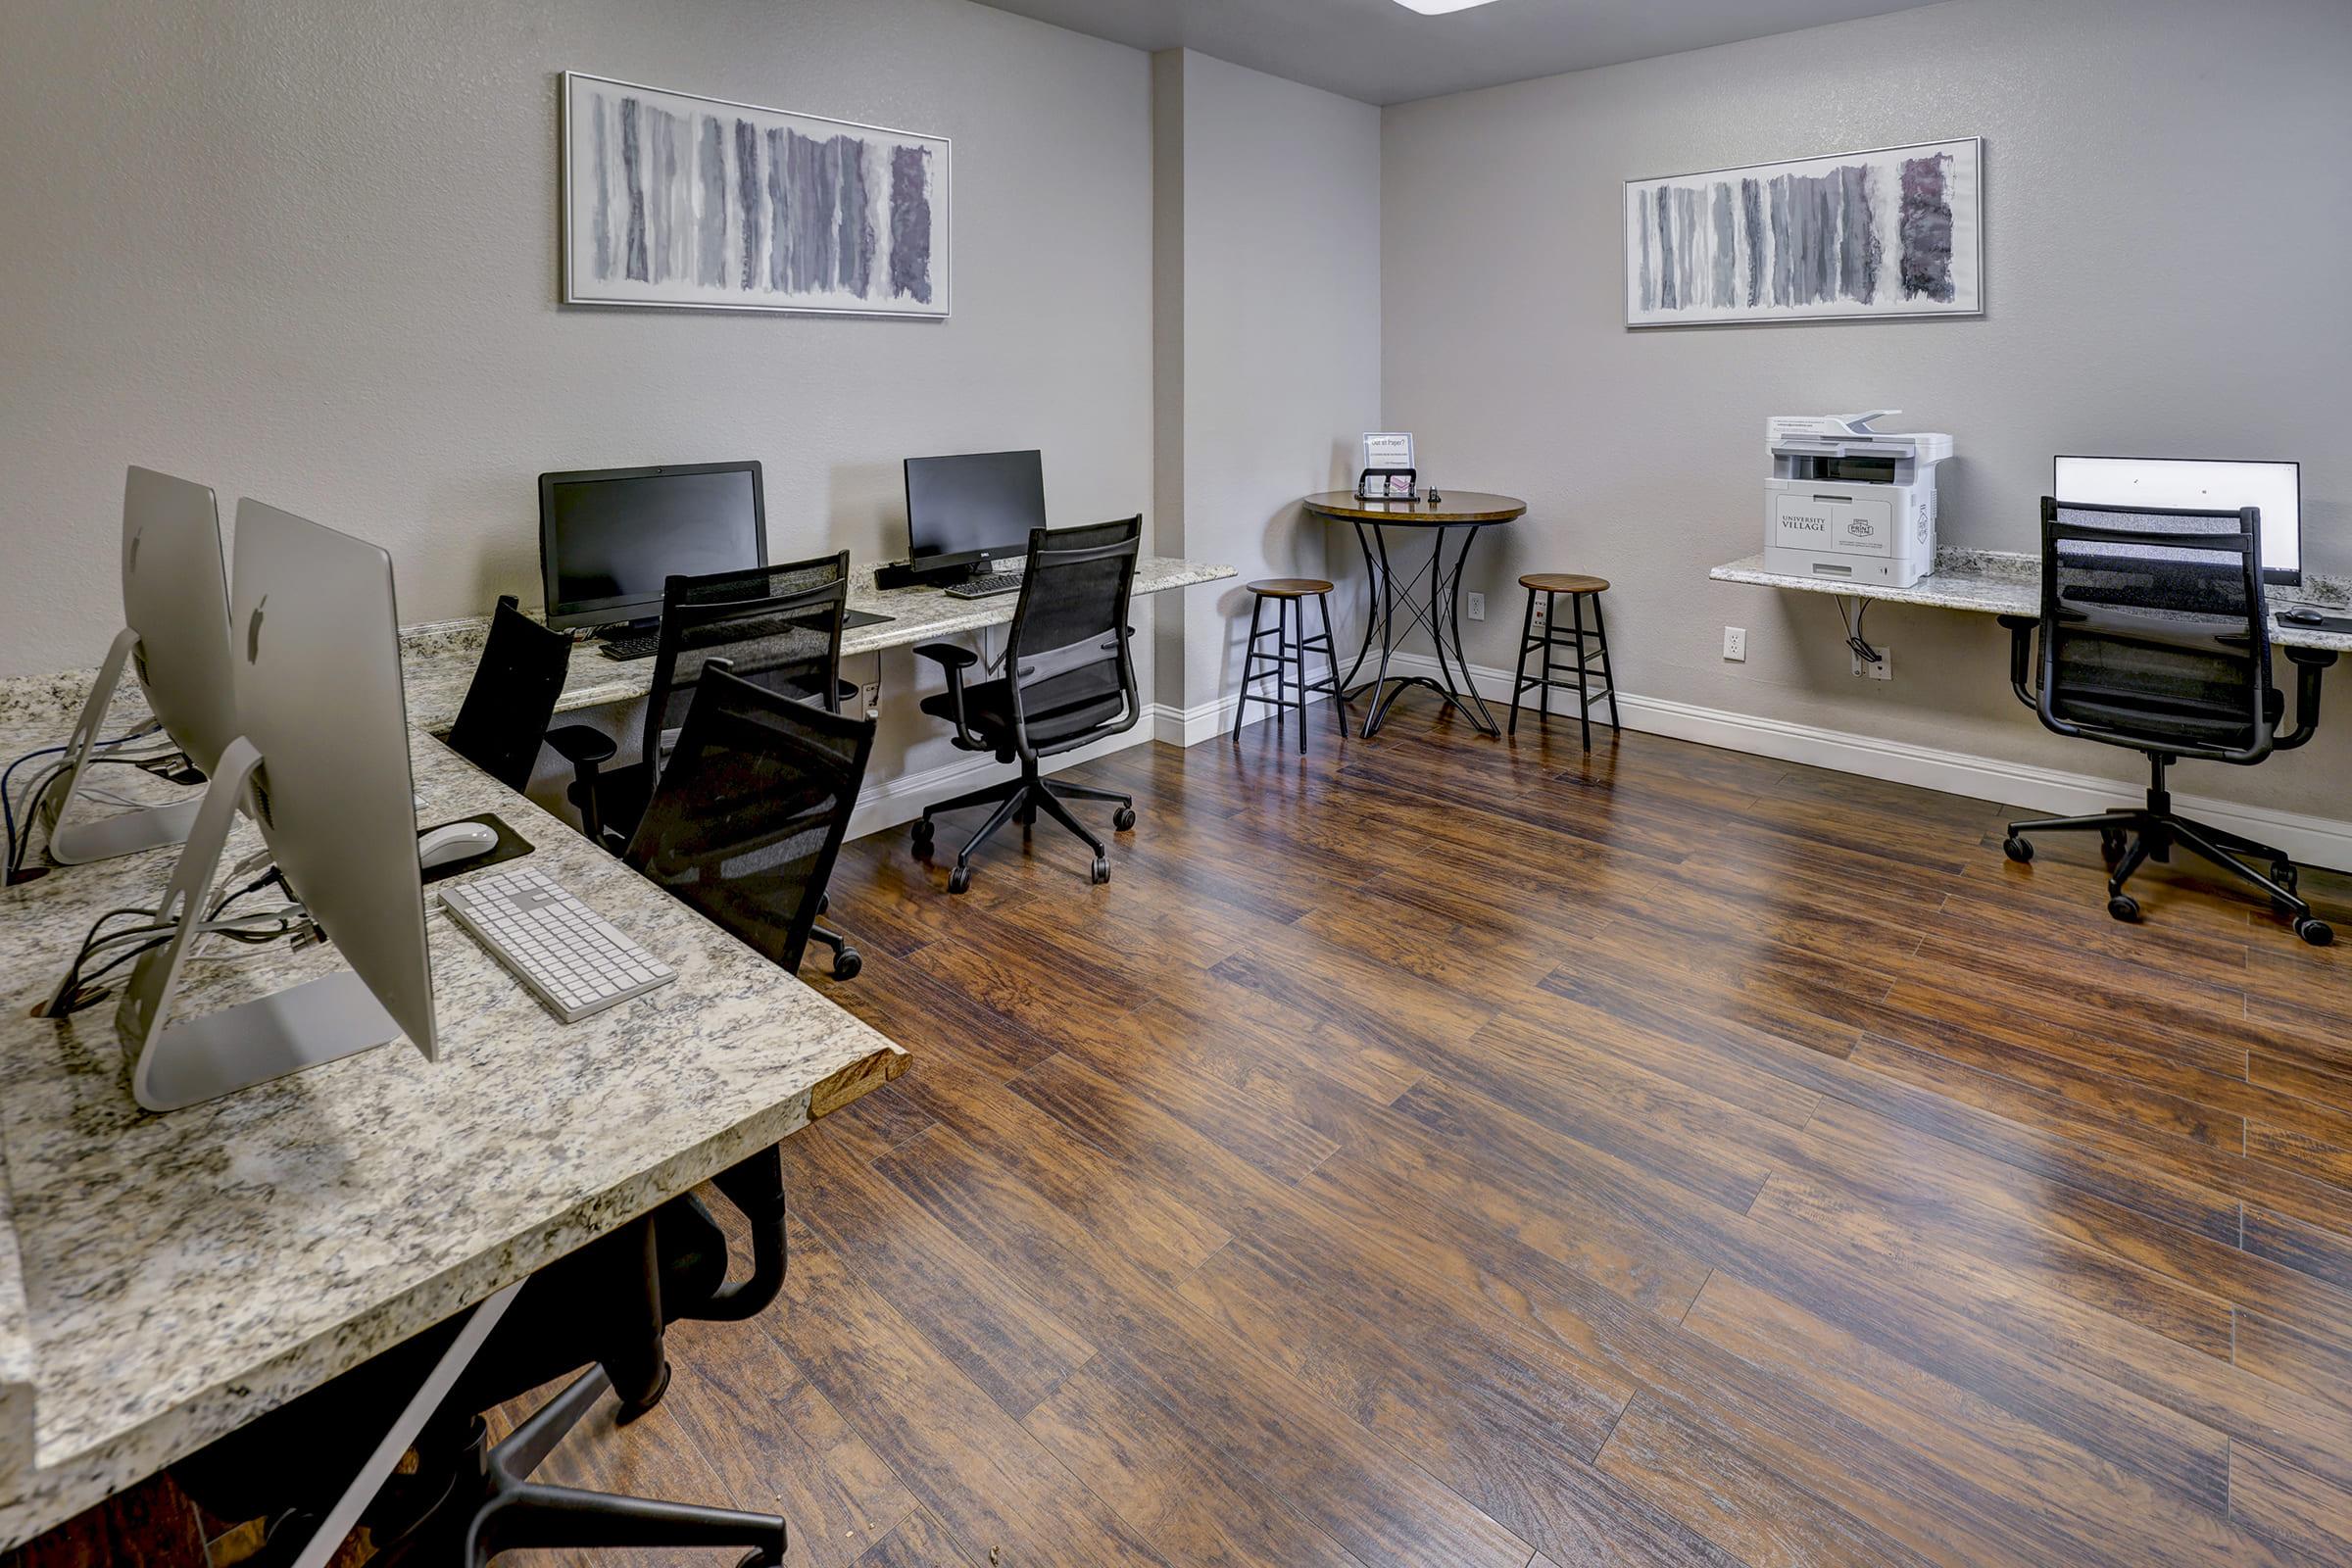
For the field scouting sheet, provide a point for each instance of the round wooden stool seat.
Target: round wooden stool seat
(1289, 587)
(1563, 582)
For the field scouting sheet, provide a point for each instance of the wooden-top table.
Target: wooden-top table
(1463, 511)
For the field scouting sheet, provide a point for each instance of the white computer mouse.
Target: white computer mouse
(455, 840)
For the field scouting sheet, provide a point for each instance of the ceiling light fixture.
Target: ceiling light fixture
(1439, 8)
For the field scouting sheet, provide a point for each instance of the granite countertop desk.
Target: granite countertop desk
(2000, 583)
(163, 1279)
(437, 660)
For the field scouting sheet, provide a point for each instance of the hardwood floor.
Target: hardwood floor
(1438, 1151)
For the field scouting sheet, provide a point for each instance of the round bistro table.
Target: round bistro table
(1462, 511)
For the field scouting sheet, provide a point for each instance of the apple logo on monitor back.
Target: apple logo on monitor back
(252, 632)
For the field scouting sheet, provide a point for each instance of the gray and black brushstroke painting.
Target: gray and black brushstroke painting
(1876, 234)
(686, 198)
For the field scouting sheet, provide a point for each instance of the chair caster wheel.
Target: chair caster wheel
(1123, 818)
(2283, 872)
(922, 838)
(1102, 871)
(2319, 933)
(2019, 850)
(960, 880)
(846, 962)
(2124, 906)
(760, 1558)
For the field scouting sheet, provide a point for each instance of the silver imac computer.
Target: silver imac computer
(2200, 486)
(174, 639)
(322, 757)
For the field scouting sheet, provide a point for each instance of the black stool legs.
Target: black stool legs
(1292, 645)
(1584, 648)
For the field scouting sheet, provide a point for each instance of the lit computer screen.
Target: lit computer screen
(973, 505)
(2200, 486)
(608, 538)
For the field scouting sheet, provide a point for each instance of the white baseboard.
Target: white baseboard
(902, 799)
(2310, 839)
(1189, 726)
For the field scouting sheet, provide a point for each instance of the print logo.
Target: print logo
(253, 631)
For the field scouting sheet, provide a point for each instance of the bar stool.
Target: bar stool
(1578, 588)
(1292, 645)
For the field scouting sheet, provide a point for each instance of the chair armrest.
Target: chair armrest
(581, 746)
(2308, 663)
(587, 751)
(948, 655)
(954, 660)
(2021, 657)
(755, 1186)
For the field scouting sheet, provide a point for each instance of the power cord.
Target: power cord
(78, 989)
(20, 839)
(1853, 631)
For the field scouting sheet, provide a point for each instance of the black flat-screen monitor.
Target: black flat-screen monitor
(610, 537)
(974, 508)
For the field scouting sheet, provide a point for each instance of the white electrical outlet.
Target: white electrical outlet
(1542, 617)
(1478, 607)
(1734, 643)
(1884, 669)
(871, 691)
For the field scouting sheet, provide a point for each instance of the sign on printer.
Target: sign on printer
(1845, 500)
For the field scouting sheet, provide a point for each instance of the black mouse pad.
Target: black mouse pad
(510, 845)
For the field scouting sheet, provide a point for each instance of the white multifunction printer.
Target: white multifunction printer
(1845, 500)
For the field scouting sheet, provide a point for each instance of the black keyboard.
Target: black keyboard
(988, 587)
(633, 647)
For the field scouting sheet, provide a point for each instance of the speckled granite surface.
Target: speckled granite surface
(438, 658)
(2001, 583)
(164, 1278)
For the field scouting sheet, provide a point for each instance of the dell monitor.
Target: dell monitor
(2191, 484)
(175, 643)
(968, 512)
(609, 538)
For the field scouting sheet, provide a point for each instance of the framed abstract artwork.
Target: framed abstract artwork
(697, 203)
(1891, 232)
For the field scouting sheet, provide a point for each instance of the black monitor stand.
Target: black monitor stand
(923, 574)
(613, 631)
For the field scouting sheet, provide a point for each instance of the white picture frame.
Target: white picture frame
(676, 201)
(1886, 232)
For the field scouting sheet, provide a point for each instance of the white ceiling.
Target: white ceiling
(1379, 51)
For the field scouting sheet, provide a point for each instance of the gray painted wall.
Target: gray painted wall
(1269, 327)
(309, 253)
(2168, 220)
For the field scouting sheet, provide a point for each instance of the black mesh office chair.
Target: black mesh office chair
(744, 824)
(512, 697)
(778, 627)
(1069, 681)
(2155, 636)
(750, 809)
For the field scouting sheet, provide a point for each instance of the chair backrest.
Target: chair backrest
(778, 627)
(513, 697)
(2154, 632)
(1067, 663)
(750, 809)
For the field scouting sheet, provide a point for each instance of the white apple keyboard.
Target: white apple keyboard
(564, 953)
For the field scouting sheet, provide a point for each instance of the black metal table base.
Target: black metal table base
(1441, 617)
